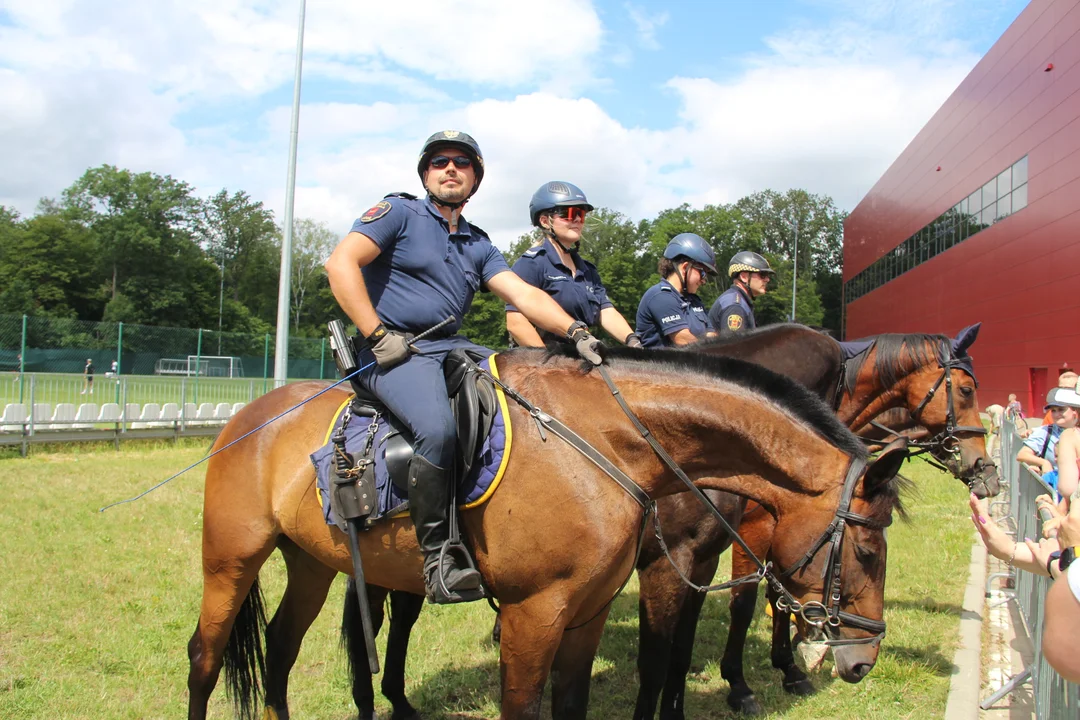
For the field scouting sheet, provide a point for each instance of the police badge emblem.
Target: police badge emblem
(734, 322)
(450, 134)
(377, 211)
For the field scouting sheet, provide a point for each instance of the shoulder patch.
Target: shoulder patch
(734, 322)
(378, 210)
(407, 196)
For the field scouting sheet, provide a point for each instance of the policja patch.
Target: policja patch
(377, 211)
(734, 322)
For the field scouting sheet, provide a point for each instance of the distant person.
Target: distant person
(88, 377)
(1068, 380)
(996, 413)
(18, 367)
(1014, 413)
(733, 311)
(113, 370)
(1040, 447)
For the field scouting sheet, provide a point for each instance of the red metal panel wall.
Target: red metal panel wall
(1020, 276)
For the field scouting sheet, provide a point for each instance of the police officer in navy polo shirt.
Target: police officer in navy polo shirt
(554, 266)
(408, 264)
(670, 312)
(733, 311)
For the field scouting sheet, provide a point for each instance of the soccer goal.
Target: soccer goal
(227, 366)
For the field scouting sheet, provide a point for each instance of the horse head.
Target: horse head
(933, 378)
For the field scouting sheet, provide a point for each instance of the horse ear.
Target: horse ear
(888, 463)
(965, 338)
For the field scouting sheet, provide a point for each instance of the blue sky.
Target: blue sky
(644, 104)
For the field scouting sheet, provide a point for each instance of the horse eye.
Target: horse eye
(967, 391)
(864, 555)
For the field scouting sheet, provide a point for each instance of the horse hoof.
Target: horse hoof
(802, 688)
(746, 705)
(411, 714)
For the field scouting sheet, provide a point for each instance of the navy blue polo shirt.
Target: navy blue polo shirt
(424, 273)
(733, 311)
(580, 293)
(663, 311)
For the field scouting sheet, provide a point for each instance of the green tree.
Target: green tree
(312, 244)
(145, 226)
(46, 268)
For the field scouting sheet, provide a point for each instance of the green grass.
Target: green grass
(96, 610)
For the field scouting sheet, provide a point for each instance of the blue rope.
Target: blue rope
(222, 449)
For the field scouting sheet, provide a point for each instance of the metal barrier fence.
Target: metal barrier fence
(1054, 697)
(63, 345)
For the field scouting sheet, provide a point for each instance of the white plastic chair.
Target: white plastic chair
(222, 412)
(110, 413)
(205, 416)
(237, 407)
(131, 412)
(150, 413)
(42, 414)
(85, 416)
(191, 412)
(63, 416)
(170, 415)
(13, 413)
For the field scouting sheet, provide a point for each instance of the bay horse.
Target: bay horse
(751, 431)
(894, 371)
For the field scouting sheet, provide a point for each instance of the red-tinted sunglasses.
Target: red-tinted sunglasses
(572, 214)
(460, 162)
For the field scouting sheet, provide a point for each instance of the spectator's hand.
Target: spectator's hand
(993, 537)
(1045, 466)
(1040, 551)
(1065, 521)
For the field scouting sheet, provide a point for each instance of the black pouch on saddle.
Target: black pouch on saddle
(352, 493)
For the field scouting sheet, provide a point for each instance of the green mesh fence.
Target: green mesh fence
(61, 345)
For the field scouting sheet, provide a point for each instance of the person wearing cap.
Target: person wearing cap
(1040, 447)
(554, 266)
(733, 311)
(407, 265)
(670, 312)
(1066, 379)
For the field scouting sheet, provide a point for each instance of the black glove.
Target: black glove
(390, 348)
(587, 346)
(632, 340)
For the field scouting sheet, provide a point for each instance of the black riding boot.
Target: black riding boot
(429, 507)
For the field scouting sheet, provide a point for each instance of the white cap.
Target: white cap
(1066, 397)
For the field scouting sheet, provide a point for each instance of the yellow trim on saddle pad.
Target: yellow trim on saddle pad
(504, 410)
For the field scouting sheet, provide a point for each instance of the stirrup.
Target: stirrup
(435, 578)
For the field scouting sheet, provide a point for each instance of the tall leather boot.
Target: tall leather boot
(429, 507)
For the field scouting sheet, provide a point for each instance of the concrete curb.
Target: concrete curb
(966, 683)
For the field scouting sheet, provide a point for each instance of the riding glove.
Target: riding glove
(588, 347)
(392, 349)
(632, 340)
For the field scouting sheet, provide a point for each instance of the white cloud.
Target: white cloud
(646, 25)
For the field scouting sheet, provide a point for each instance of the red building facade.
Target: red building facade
(978, 220)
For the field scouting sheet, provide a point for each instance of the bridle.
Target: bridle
(946, 442)
(825, 615)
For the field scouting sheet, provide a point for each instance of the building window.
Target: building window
(1004, 194)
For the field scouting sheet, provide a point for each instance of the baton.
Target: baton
(430, 330)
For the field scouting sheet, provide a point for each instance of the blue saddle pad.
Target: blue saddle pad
(474, 490)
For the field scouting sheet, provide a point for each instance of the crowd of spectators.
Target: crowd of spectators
(1052, 450)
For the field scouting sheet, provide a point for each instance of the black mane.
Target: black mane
(779, 389)
(897, 355)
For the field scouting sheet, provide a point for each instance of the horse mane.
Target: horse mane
(897, 355)
(886, 497)
(723, 340)
(789, 395)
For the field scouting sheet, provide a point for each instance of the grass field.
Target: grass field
(96, 610)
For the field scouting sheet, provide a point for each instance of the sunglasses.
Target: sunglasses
(460, 162)
(572, 214)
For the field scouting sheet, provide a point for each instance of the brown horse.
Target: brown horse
(554, 572)
(895, 371)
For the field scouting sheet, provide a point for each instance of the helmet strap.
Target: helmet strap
(550, 232)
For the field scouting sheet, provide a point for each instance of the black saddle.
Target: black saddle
(472, 398)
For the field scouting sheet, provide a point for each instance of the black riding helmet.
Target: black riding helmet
(692, 247)
(747, 261)
(556, 194)
(459, 140)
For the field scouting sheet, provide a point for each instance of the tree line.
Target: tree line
(143, 248)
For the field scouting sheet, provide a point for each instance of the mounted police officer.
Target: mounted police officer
(554, 266)
(670, 312)
(733, 311)
(406, 265)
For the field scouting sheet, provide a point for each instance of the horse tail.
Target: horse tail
(245, 665)
(352, 634)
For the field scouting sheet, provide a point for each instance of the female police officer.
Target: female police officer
(406, 265)
(670, 312)
(554, 266)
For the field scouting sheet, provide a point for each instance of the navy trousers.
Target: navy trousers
(415, 392)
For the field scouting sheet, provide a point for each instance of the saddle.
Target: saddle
(474, 404)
